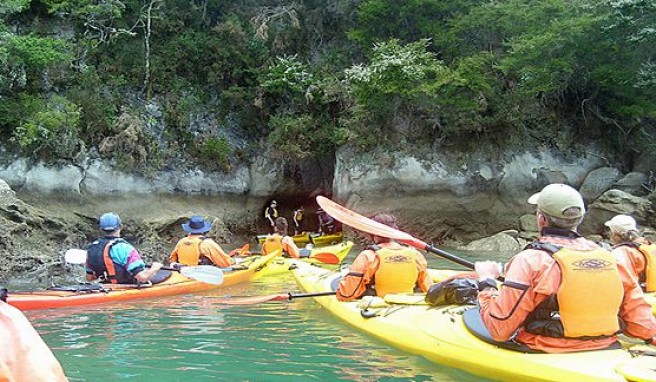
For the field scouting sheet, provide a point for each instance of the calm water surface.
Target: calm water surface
(191, 338)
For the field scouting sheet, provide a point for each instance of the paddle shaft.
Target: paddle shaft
(313, 294)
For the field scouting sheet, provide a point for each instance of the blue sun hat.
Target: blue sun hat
(109, 222)
(197, 224)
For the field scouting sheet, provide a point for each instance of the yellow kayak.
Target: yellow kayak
(280, 265)
(440, 335)
(440, 274)
(315, 238)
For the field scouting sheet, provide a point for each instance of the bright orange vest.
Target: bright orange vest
(397, 271)
(189, 250)
(649, 251)
(271, 244)
(590, 292)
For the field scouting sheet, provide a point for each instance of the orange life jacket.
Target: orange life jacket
(189, 250)
(649, 276)
(397, 271)
(588, 298)
(590, 292)
(271, 244)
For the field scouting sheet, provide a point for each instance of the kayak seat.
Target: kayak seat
(161, 276)
(474, 323)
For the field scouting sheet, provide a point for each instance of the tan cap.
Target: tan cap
(556, 198)
(622, 223)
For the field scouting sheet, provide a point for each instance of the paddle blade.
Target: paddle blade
(254, 300)
(362, 223)
(205, 273)
(326, 258)
(75, 256)
(240, 251)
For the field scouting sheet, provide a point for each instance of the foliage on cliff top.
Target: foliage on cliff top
(307, 77)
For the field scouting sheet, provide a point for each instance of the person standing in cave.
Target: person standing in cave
(271, 214)
(298, 220)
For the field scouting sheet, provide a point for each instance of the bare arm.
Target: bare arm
(145, 275)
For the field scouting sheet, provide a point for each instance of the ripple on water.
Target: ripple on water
(191, 338)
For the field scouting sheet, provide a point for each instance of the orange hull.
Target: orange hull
(175, 285)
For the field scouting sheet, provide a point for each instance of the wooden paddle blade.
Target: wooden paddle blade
(254, 300)
(204, 273)
(360, 222)
(326, 258)
(75, 256)
(373, 227)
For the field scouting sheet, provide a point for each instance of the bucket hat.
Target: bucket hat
(197, 224)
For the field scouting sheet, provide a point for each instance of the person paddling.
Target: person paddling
(280, 240)
(562, 293)
(24, 355)
(112, 259)
(385, 267)
(196, 248)
(638, 253)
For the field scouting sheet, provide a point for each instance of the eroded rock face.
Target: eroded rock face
(439, 197)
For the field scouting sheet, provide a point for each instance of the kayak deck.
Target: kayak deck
(280, 265)
(175, 285)
(310, 237)
(439, 334)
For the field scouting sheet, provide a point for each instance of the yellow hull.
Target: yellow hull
(439, 335)
(280, 265)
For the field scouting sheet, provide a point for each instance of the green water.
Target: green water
(192, 338)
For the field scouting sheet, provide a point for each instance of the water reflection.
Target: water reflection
(191, 338)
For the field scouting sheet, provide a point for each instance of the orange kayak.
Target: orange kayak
(176, 284)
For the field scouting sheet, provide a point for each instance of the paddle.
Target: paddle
(272, 297)
(206, 273)
(326, 258)
(240, 251)
(365, 224)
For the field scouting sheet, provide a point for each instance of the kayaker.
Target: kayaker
(112, 259)
(24, 355)
(298, 220)
(638, 253)
(271, 214)
(327, 225)
(385, 267)
(597, 299)
(281, 240)
(197, 249)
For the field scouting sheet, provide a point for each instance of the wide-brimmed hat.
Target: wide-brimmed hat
(622, 223)
(109, 222)
(197, 224)
(557, 198)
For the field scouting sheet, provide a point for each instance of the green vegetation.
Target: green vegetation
(148, 82)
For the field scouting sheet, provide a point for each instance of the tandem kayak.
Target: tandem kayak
(315, 238)
(175, 284)
(440, 335)
(281, 265)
